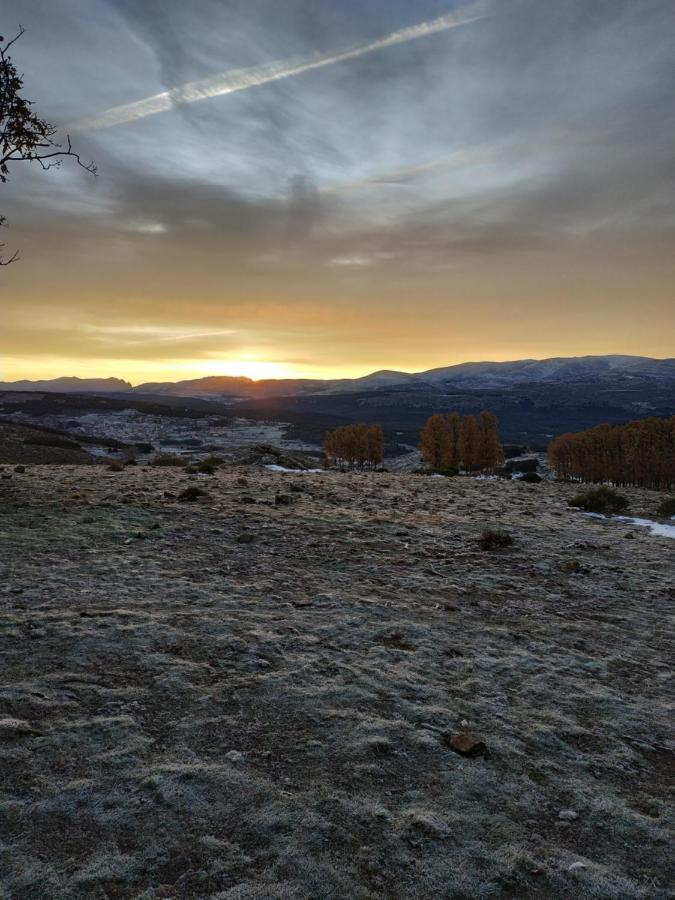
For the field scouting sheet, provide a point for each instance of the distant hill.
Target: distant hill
(534, 400)
(69, 385)
(466, 376)
(601, 370)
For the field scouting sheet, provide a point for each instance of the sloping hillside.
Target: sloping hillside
(270, 691)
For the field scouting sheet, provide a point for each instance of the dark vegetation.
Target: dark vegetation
(667, 508)
(494, 539)
(604, 500)
(190, 494)
(528, 414)
(168, 459)
(21, 444)
(531, 478)
(207, 466)
(52, 440)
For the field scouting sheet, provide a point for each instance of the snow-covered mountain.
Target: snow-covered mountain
(587, 370)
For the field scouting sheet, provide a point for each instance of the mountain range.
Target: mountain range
(471, 376)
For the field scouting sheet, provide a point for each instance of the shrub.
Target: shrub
(167, 459)
(206, 468)
(667, 508)
(116, 466)
(494, 539)
(213, 460)
(192, 493)
(531, 478)
(600, 500)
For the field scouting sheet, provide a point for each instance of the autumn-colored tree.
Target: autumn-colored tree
(469, 445)
(491, 452)
(471, 442)
(640, 453)
(453, 422)
(434, 441)
(355, 446)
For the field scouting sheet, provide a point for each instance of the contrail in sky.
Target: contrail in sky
(233, 80)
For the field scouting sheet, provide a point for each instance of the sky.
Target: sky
(331, 187)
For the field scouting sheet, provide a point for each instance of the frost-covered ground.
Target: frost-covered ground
(248, 696)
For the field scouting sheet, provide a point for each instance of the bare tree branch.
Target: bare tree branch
(24, 136)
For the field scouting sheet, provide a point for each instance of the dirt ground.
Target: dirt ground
(252, 695)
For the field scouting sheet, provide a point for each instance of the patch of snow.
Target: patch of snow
(273, 467)
(658, 528)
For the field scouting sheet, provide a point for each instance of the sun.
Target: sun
(255, 369)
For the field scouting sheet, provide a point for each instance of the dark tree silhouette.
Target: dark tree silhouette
(24, 136)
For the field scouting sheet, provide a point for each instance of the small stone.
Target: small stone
(466, 744)
(16, 728)
(245, 538)
(283, 499)
(19, 469)
(568, 815)
(301, 602)
(234, 756)
(464, 723)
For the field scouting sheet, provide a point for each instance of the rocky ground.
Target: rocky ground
(258, 693)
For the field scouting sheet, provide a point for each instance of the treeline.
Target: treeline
(467, 442)
(640, 453)
(354, 446)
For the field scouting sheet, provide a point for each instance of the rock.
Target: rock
(245, 538)
(301, 602)
(19, 469)
(283, 499)
(15, 728)
(466, 744)
(190, 494)
(242, 480)
(577, 867)
(568, 815)
(234, 756)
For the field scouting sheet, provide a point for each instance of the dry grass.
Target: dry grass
(188, 714)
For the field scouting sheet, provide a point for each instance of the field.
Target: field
(254, 694)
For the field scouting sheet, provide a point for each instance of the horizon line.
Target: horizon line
(368, 373)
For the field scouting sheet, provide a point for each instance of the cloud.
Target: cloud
(229, 82)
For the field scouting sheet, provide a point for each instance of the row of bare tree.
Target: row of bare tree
(467, 442)
(638, 453)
